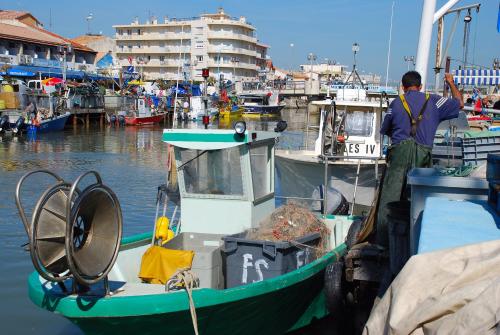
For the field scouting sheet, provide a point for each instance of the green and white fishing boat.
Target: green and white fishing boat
(89, 274)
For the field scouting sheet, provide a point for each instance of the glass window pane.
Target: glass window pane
(359, 123)
(215, 172)
(259, 160)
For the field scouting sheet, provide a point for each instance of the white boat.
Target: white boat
(261, 104)
(349, 141)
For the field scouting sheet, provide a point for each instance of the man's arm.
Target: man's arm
(454, 90)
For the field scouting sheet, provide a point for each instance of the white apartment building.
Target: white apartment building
(181, 48)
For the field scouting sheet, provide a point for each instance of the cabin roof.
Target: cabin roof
(350, 103)
(211, 139)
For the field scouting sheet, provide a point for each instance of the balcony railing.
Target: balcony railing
(161, 50)
(232, 50)
(230, 35)
(154, 36)
(238, 65)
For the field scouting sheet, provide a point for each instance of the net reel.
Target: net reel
(77, 239)
(93, 231)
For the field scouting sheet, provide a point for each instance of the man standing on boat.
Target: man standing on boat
(411, 123)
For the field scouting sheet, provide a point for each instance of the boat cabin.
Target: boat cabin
(226, 179)
(270, 99)
(350, 125)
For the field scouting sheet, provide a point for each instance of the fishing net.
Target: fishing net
(290, 222)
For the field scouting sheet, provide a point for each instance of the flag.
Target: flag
(498, 20)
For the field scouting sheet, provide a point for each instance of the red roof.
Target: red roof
(30, 33)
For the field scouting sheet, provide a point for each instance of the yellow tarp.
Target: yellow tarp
(159, 264)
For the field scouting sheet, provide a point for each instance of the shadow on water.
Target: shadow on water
(131, 161)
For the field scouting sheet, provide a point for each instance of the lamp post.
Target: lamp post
(409, 60)
(88, 18)
(235, 61)
(65, 50)
(291, 57)
(311, 57)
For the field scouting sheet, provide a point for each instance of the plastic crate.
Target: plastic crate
(427, 182)
(475, 150)
(248, 261)
(493, 168)
(207, 261)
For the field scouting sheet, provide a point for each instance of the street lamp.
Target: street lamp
(291, 57)
(235, 61)
(408, 60)
(311, 57)
(88, 18)
(65, 50)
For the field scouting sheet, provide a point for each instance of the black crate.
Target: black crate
(247, 261)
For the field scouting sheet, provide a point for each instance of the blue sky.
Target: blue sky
(326, 28)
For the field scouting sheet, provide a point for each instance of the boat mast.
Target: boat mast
(429, 16)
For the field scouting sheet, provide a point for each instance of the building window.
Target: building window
(162, 58)
(149, 58)
(129, 32)
(138, 31)
(199, 58)
(162, 44)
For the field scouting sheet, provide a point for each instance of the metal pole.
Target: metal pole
(439, 46)
(389, 48)
(441, 11)
(424, 40)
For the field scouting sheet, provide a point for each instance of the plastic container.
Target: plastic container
(248, 261)
(207, 261)
(398, 217)
(476, 149)
(493, 168)
(426, 182)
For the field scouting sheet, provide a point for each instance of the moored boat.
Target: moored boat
(108, 296)
(261, 104)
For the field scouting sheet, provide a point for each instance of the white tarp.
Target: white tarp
(453, 291)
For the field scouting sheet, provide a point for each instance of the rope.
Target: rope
(185, 278)
(460, 171)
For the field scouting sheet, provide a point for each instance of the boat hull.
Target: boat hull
(299, 177)
(273, 306)
(262, 109)
(144, 120)
(56, 124)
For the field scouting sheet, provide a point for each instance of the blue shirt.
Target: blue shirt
(397, 122)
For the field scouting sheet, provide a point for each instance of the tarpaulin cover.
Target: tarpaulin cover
(452, 291)
(159, 264)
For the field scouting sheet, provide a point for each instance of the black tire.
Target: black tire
(334, 296)
(352, 234)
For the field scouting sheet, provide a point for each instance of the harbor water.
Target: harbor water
(131, 160)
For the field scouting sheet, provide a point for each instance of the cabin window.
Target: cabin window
(212, 172)
(359, 123)
(260, 157)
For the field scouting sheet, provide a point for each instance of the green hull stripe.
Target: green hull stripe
(200, 137)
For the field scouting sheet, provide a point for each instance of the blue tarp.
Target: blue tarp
(196, 90)
(105, 62)
(31, 71)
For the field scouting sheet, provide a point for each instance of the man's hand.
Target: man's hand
(449, 78)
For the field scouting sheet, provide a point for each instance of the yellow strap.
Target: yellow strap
(407, 107)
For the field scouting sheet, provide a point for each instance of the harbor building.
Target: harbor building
(28, 50)
(106, 60)
(181, 48)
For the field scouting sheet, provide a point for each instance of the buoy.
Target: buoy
(163, 232)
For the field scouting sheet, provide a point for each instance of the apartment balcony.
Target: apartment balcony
(229, 35)
(235, 22)
(154, 36)
(232, 65)
(230, 50)
(156, 63)
(156, 50)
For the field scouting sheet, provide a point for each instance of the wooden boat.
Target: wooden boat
(271, 306)
(144, 120)
(261, 104)
(144, 115)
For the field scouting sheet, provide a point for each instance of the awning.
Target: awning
(477, 77)
(19, 71)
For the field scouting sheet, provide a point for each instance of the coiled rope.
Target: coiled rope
(185, 278)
